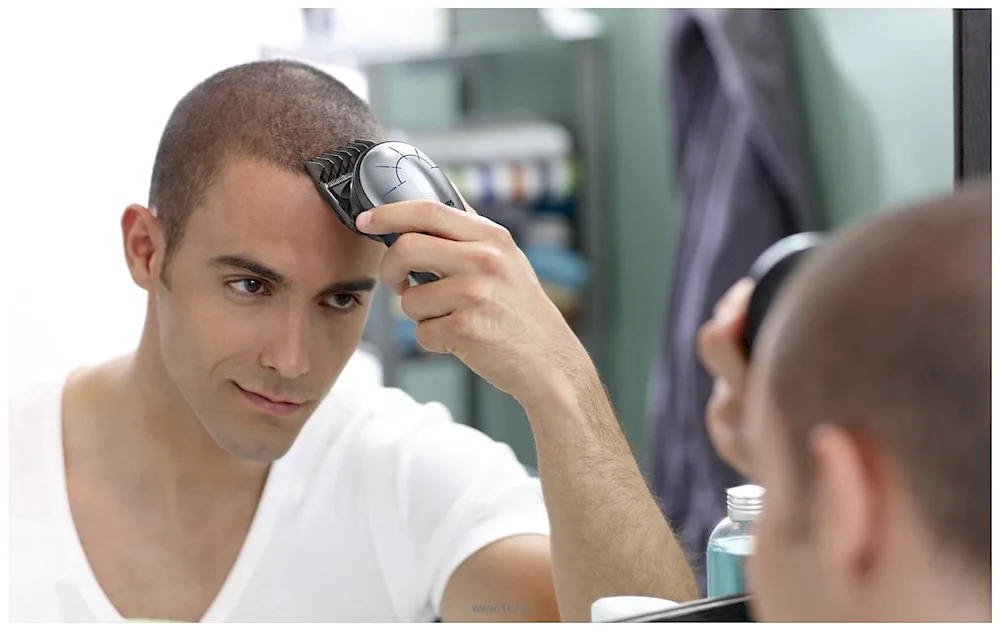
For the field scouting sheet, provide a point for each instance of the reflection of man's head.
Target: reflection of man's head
(258, 294)
(869, 417)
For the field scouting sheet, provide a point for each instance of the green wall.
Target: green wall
(877, 92)
(644, 208)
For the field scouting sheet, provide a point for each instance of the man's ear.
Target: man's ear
(849, 507)
(142, 238)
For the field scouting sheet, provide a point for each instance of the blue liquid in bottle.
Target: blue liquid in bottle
(732, 542)
(726, 560)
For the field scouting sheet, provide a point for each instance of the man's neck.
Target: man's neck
(964, 600)
(928, 582)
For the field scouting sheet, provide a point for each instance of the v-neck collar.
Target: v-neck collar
(97, 600)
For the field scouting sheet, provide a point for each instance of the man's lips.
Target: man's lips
(271, 403)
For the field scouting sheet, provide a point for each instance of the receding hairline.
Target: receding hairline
(231, 159)
(278, 112)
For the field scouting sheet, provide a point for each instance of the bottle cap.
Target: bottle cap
(744, 503)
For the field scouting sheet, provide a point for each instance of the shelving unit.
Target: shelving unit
(466, 77)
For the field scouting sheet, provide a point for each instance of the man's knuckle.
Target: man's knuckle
(428, 339)
(466, 325)
(405, 244)
(385, 269)
(406, 303)
(491, 260)
(705, 343)
(502, 235)
(431, 210)
(480, 293)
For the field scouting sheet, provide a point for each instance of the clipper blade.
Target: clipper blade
(332, 172)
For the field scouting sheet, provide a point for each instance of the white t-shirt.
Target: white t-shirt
(379, 500)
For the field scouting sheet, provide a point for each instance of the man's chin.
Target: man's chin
(258, 440)
(266, 455)
(258, 451)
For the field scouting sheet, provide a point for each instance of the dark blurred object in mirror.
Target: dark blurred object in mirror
(724, 609)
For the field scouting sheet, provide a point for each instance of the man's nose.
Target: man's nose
(287, 350)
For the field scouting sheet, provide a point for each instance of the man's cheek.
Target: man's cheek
(758, 556)
(208, 341)
(770, 541)
(764, 567)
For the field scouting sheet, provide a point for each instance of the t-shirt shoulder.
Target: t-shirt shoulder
(38, 400)
(34, 413)
(449, 487)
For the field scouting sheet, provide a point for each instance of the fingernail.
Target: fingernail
(363, 221)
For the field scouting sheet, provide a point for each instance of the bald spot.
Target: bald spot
(886, 332)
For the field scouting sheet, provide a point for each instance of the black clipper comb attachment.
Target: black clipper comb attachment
(332, 173)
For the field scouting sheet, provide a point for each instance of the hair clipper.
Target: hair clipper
(362, 175)
(769, 273)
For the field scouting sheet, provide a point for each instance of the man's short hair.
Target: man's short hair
(281, 112)
(887, 333)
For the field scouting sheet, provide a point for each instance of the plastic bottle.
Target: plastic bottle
(732, 541)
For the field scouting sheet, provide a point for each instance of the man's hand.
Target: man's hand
(718, 346)
(488, 308)
(608, 536)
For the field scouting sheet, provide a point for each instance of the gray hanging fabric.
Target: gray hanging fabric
(742, 186)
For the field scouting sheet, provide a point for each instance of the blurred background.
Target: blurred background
(568, 126)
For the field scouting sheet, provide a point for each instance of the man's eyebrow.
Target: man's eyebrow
(350, 286)
(250, 265)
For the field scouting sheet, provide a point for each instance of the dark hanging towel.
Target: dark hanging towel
(742, 186)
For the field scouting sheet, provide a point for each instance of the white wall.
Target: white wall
(86, 93)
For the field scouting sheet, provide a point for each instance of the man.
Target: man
(217, 473)
(866, 417)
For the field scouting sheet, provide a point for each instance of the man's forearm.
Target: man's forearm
(608, 535)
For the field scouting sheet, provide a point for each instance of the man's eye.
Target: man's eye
(342, 301)
(247, 286)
